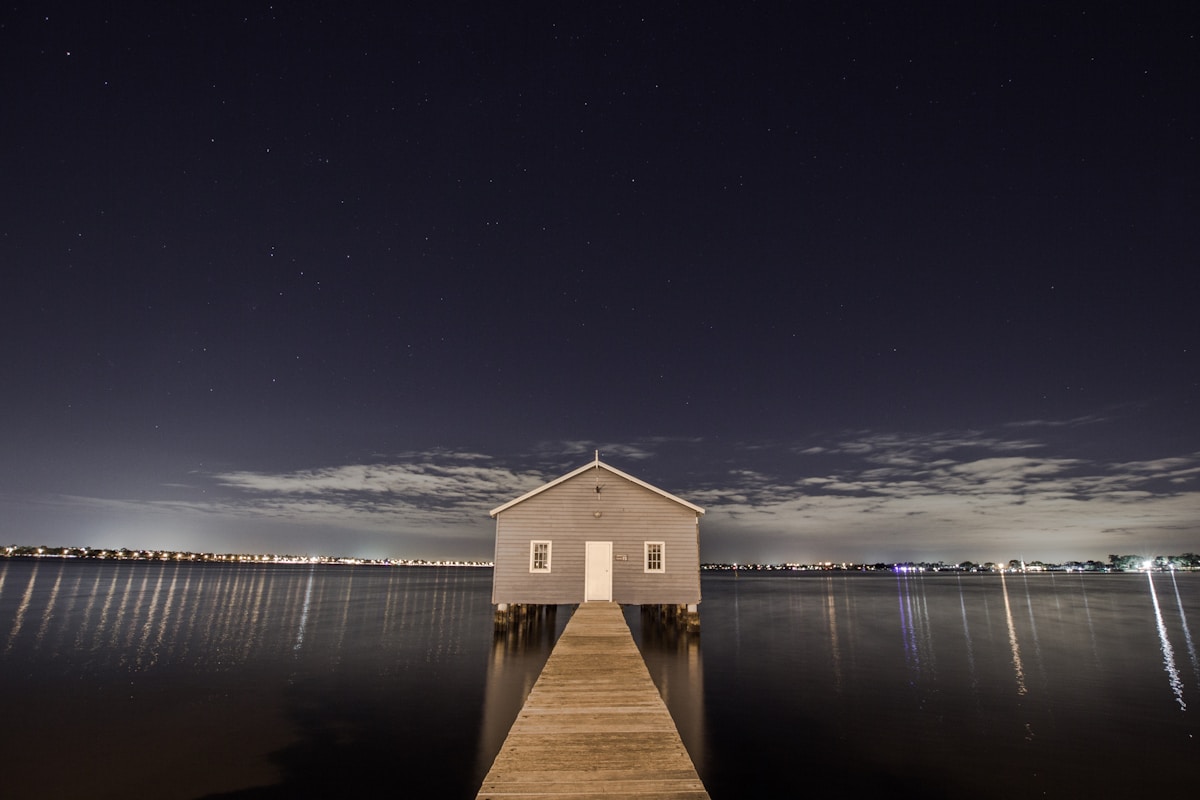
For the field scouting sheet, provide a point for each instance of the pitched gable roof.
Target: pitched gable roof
(597, 464)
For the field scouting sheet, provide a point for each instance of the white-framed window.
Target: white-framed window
(656, 558)
(539, 556)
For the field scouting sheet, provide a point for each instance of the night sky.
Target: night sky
(867, 281)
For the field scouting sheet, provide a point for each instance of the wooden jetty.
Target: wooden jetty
(594, 725)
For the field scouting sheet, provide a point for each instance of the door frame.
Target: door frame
(598, 568)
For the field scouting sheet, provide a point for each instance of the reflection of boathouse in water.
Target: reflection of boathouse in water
(597, 534)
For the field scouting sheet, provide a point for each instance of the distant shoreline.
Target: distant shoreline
(172, 556)
(1188, 562)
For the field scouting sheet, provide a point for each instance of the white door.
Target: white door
(597, 583)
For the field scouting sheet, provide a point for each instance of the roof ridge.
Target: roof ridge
(596, 464)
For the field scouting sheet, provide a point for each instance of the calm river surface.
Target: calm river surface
(196, 680)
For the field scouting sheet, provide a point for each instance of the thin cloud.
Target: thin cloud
(1074, 422)
(636, 450)
(861, 495)
(891, 495)
(428, 490)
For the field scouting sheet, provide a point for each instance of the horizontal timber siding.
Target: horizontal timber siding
(630, 515)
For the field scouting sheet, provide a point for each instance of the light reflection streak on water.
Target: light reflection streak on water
(906, 625)
(304, 611)
(926, 638)
(1018, 669)
(235, 604)
(737, 618)
(119, 624)
(1057, 598)
(834, 649)
(443, 641)
(211, 618)
(118, 617)
(337, 648)
(388, 609)
(245, 631)
(289, 616)
(914, 621)
(1087, 610)
(438, 634)
(1168, 652)
(19, 619)
(404, 599)
(460, 608)
(177, 644)
(165, 617)
(449, 644)
(148, 626)
(66, 619)
(962, 603)
(1187, 632)
(171, 612)
(1033, 630)
(250, 630)
(185, 639)
(51, 602)
(87, 611)
(268, 603)
(106, 610)
(849, 620)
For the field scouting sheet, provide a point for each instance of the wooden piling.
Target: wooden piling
(512, 616)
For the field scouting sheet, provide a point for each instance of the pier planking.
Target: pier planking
(594, 724)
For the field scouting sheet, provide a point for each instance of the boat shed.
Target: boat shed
(597, 533)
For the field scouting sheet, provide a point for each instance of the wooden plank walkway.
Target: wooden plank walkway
(594, 725)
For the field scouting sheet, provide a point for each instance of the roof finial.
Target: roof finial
(597, 456)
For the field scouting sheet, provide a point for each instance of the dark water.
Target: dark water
(939, 686)
(187, 681)
(166, 680)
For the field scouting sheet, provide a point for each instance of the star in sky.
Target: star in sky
(288, 242)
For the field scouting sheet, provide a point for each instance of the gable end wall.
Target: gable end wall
(630, 515)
